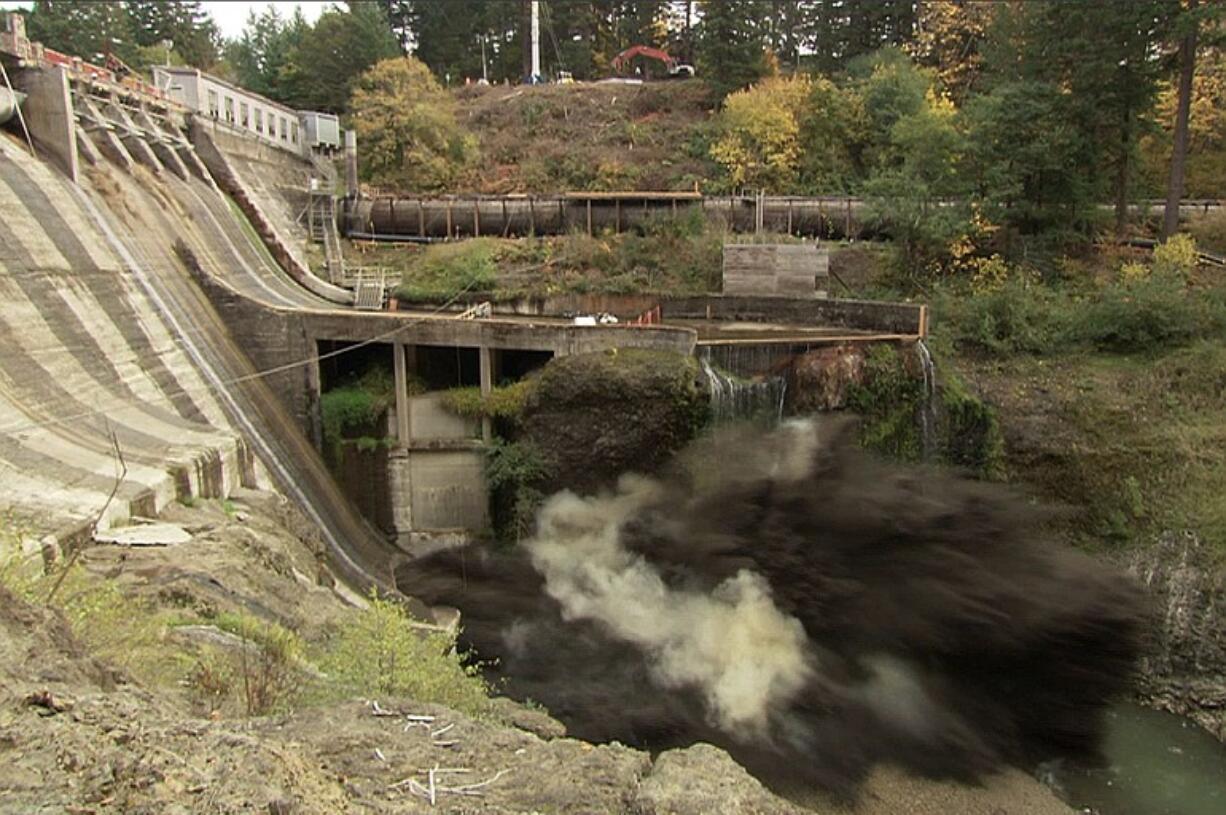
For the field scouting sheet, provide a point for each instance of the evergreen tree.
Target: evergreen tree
(191, 29)
(731, 48)
(1105, 57)
(260, 57)
(331, 55)
(87, 30)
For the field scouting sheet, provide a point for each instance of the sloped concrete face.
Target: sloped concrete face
(96, 393)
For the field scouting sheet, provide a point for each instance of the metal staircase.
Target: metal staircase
(369, 286)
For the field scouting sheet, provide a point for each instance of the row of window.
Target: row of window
(288, 130)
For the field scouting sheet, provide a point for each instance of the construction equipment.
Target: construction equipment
(676, 69)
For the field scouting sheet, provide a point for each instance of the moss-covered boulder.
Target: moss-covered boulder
(594, 416)
(823, 379)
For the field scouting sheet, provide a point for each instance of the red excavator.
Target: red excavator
(676, 70)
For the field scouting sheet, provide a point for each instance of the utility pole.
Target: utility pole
(536, 41)
(485, 71)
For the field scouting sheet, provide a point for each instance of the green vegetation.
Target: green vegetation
(678, 254)
(515, 472)
(406, 125)
(133, 31)
(111, 624)
(375, 651)
(503, 403)
(891, 401)
(1143, 308)
(439, 272)
(379, 652)
(351, 412)
(1105, 377)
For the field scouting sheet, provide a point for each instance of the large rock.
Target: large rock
(702, 779)
(821, 380)
(595, 416)
(1184, 671)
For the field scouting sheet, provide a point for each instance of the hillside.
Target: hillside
(552, 138)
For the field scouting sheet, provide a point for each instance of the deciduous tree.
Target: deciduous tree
(405, 122)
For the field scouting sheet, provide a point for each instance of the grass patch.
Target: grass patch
(440, 271)
(109, 622)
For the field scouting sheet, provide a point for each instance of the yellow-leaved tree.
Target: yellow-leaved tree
(408, 136)
(759, 133)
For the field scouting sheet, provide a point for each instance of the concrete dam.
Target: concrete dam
(167, 337)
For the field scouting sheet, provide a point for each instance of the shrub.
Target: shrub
(1134, 272)
(514, 471)
(378, 651)
(1139, 315)
(506, 402)
(1176, 257)
(267, 670)
(352, 411)
(1017, 317)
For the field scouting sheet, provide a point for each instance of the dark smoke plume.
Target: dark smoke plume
(810, 608)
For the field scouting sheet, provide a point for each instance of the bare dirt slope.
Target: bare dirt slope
(553, 138)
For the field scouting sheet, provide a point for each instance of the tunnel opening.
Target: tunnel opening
(440, 367)
(357, 393)
(513, 364)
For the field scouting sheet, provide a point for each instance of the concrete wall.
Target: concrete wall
(268, 210)
(430, 421)
(775, 270)
(860, 315)
(273, 336)
(448, 490)
(49, 116)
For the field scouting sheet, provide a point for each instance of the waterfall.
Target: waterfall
(734, 399)
(927, 411)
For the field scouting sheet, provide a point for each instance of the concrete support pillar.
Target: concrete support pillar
(486, 357)
(102, 135)
(400, 372)
(161, 144)
(351, 163)
(49, 116)
(133, 138)
(86, 149)
(400, 491)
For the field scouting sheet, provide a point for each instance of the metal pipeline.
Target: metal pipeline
(9, 103)
(425, 220)
(422, 219)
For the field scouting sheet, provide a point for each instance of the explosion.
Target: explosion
(808, 607)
